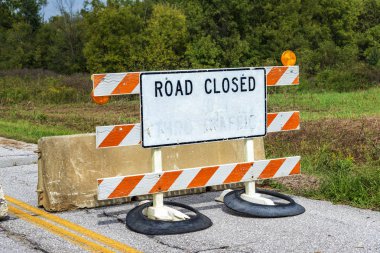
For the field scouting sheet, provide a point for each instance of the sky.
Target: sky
(51, 8)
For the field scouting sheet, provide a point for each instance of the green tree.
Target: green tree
(17, 49)
(20, 20)
(165, 39)
(114, 37)
(59, 45)
(27, 11)
(204, 53)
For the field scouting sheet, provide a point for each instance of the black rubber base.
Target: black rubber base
(234, 201)
(4, 218)
(138, 222)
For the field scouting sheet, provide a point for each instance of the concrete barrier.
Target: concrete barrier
(69, 166)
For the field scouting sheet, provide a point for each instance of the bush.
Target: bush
(43, 87)
(345, 182)
(359, 186)
(342, 79)
(59, 94)
(327, 161)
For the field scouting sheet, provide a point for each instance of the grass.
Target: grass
(26, 131)
(339, 140)
(329, 105)
(342, 180)
(359, 187)
(83, 117)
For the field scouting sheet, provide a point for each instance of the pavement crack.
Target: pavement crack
(114, 216)
(23, 239)
(159, 241)
(215, 248)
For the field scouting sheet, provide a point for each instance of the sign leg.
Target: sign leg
(158, 198)
(158, 211)
(250, 194)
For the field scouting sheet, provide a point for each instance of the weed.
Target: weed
(343, 181)
(42, 87)
(326, 162)
(359, 186)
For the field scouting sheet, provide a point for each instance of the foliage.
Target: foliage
(337, 42)
(114, 38)
(25, 131)
(165, 39)
(345, 182)
(42, 87)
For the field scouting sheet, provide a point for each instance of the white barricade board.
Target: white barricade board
(182, 107)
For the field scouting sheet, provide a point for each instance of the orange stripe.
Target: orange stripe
(238, 173)
(128, 84)
(116, 136)
(270, 118)
(100, 181)
(166, 180)
(293, 122)
(202, 177)
(125, 187)
(272, 167)
(296, 81)
(296, 169)
(97, 79)
(275, 74)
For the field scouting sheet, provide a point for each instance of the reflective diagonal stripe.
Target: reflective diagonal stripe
(116, 83)
(130, 134)
(165, 181)
(271, 168)
(283, 121)
(117, 187)
(282, 75)
(108, 191)
(223, 174)
(184, 179)
(118, 135)
(238, 172)
(287, 167)
(274, 75)
(256, 170)
(129, 82)
(202, 177)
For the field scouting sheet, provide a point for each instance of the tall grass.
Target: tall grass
(343, 180)
(40, 86)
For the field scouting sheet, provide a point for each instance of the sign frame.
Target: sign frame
(197, 71)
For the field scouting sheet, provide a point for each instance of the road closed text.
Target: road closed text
(210, 86)
(179, 107)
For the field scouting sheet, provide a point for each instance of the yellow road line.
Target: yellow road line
(86, 244)
(77, 228)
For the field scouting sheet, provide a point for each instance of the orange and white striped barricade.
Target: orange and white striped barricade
(109, 84)
(194, 106)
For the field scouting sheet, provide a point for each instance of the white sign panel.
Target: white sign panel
(181, 107)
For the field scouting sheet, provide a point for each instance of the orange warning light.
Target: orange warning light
(288, 58)
(100, 100)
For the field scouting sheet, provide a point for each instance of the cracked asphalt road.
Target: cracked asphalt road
(324, 227)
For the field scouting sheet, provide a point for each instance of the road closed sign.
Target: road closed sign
(183, 107)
